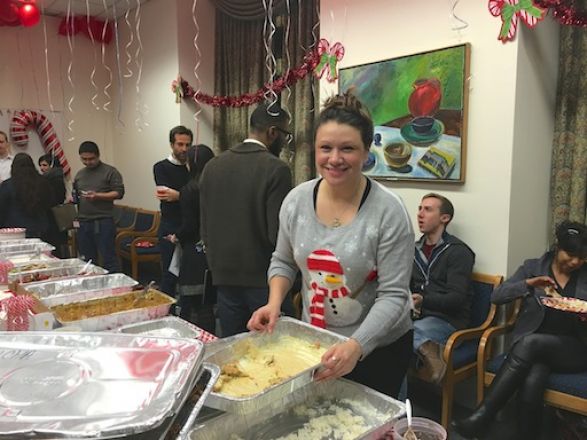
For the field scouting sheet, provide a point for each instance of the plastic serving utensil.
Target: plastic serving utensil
(409, 434)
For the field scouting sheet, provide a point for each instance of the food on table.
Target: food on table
(106, 306)
(29, 267)
(261, 366)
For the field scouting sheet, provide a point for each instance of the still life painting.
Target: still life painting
(419, 108)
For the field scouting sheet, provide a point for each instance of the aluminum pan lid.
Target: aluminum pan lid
(91, 385)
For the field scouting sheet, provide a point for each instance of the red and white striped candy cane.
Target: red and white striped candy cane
(18, 132)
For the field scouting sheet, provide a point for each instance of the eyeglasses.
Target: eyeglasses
(288, 135)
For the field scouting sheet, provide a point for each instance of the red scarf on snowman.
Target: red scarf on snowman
(323, 261)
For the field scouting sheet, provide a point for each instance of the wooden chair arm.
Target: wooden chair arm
(467, 334)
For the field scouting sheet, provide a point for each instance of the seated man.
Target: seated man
(440, 283)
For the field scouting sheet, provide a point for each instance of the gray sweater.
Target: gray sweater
(103, 178)
(379, 238)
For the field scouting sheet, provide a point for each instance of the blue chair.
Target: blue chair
(460, 351)
(564, 391)
(144, 230)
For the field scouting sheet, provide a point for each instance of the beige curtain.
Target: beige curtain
(241, 68)
(569, 159)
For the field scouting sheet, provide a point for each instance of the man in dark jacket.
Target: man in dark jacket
(241, 192)
(440, 283)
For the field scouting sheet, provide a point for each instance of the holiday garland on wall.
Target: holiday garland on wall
(533, 11)
(320, 60)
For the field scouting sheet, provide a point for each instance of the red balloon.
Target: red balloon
(29, 14)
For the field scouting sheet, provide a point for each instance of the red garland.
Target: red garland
(564, 12)
(289, 78)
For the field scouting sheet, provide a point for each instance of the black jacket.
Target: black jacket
(532, 312)
(444, 280)
(241, 192)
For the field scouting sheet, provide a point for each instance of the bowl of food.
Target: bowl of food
(397, 154)
(424, 429)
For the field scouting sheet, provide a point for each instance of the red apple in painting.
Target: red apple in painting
(425, 99)
(8, 14)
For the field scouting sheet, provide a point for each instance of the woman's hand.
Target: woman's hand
(264, 318)
(541, 282)
(339, 360)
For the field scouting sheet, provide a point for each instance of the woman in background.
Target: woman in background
(352, 239)
(26, 198)
(545, 340)
(193, 260)
(53, 172)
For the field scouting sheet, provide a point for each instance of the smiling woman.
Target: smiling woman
(352, 240)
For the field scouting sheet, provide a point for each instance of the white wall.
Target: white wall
(487, 205)
(166, 38)
(188, 57)
(23, 85)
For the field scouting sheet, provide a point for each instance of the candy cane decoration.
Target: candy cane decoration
(18, 132)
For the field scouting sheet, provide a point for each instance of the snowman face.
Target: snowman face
(327, 280)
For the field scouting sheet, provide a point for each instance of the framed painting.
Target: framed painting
(419, 107)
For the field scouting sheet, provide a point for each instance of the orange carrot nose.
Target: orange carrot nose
(333, 279)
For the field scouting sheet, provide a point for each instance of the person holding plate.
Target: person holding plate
(352, 239)
(545, 340)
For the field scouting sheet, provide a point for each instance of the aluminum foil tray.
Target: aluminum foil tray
(15, 259)
(81, 288)
(371, 413)
(167, 327)
(10, 247)
(19, 241)
(230, 353)
(118, 319)
(92, 385)
(184, 422)
(71, 267)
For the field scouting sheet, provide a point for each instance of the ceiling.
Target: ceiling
(96, 7)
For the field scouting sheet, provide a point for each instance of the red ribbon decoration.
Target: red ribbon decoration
(91, 28)
(289, 78)
(565, 12)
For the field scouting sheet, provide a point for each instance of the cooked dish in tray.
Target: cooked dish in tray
(260, 367)
(566, 304)
(107, 306)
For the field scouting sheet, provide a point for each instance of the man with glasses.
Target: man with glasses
(241, 192)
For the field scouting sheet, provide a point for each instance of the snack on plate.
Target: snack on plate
(260, 367)
(565, 304)
(107, 306)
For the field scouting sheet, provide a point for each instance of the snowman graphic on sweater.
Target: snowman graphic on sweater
(332, 302)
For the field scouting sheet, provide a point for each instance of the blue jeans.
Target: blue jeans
(431, 328)
(236, 306)
(97, 236)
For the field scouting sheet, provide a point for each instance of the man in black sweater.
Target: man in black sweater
(440, 283)
(171, 174)
(241, 192)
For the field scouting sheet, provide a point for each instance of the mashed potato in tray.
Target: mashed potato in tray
(262, 366)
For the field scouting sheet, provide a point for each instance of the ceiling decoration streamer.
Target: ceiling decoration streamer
(70, 101)
(106, 105)
(197, 66)
(140, 120)
(287, 57)
(118, 67)
(93, 73)
(47, 60)
(270, 61)
(459, 23)
(131, 39)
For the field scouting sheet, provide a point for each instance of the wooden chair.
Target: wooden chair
(460, 351)
(144, 230)
(564, 391)
(127, 219)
